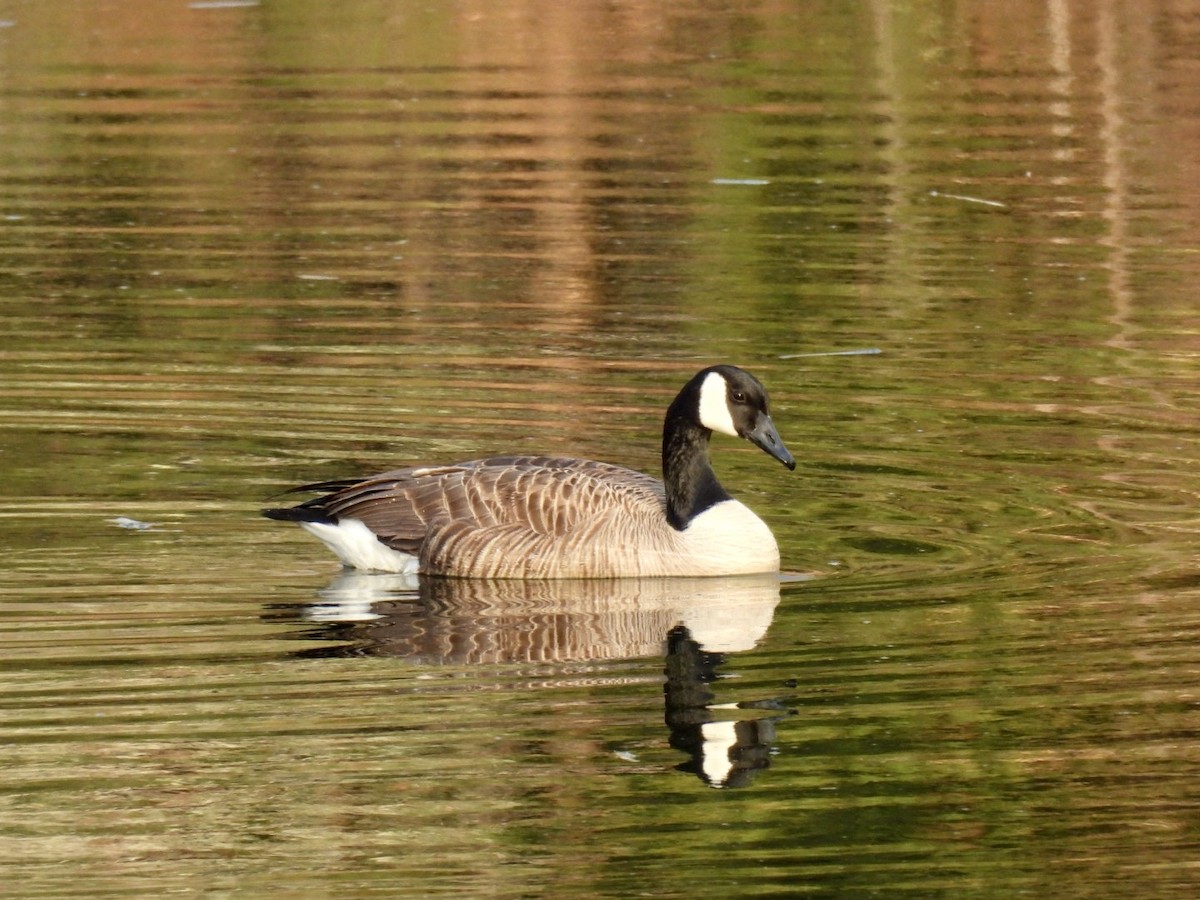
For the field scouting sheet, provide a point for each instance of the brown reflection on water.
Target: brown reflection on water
(571, 145)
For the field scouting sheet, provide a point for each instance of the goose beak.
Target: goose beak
(764, 436)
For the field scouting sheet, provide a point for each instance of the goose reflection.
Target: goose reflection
(692, 623)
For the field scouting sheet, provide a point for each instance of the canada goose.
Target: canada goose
(547, 517)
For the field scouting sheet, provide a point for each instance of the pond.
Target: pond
(252, 245)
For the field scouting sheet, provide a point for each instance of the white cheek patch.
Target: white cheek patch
(714, 409)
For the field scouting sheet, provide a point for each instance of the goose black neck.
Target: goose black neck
(691, 485)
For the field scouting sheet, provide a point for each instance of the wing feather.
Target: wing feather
(484, 514)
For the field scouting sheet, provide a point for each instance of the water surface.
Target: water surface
(250, 246)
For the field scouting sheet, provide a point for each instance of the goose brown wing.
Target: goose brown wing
(545, 495)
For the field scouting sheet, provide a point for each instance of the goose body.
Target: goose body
(547, 517)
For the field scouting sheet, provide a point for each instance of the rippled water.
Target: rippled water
(247, 246)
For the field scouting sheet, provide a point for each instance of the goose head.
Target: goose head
(731, 401)
(720, 398)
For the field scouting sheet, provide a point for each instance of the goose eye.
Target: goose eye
(739, 396)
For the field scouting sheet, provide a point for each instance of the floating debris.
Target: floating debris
(744, 181)
(862, 351)
(132, 524)
(222, 4)
(967, 199)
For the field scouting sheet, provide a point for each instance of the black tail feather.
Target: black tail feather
(324, 487)
(313, 510)
(303, 513)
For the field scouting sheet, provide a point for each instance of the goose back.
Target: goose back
(535, 517)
